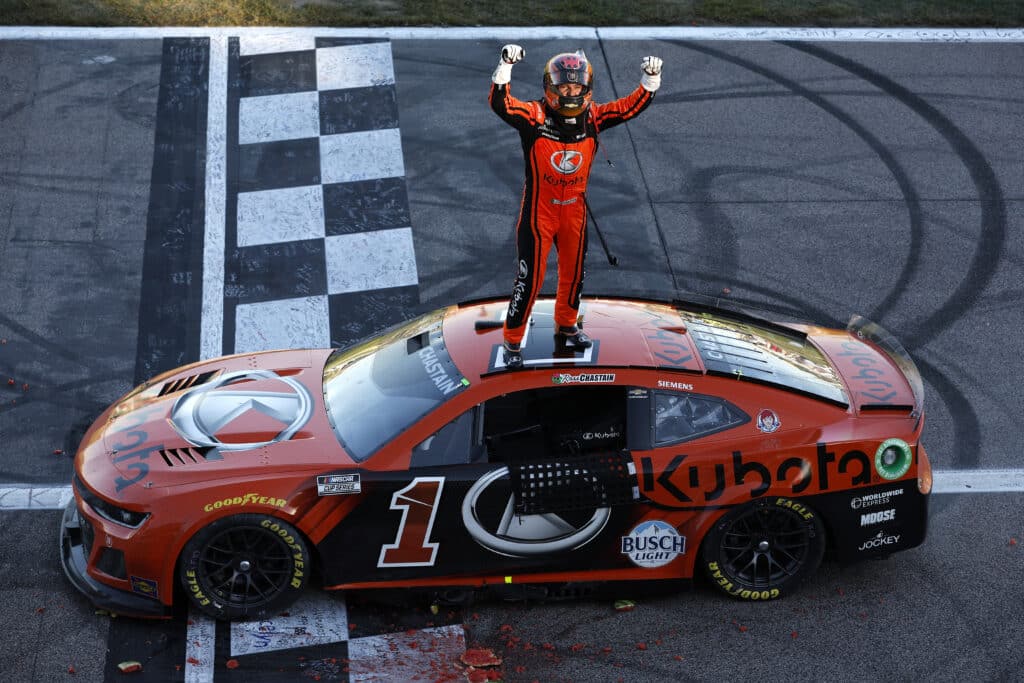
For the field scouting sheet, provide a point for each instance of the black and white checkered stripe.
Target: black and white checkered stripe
(318, 246)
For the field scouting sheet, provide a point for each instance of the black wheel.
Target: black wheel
(764, 549)
(245, 567)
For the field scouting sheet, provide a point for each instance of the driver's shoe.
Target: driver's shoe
(572, 336)
(512, 355)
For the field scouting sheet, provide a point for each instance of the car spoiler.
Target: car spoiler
(864, 329)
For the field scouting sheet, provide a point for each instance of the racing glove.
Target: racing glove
(651, 76)
(510, 54)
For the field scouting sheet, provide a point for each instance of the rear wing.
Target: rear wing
(871, 332)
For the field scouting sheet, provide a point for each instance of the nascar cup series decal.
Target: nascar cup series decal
(653, 544)
(338, 484)
(203, 414)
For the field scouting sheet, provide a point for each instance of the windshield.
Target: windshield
(376, 390)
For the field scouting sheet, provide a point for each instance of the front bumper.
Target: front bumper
(75, 559)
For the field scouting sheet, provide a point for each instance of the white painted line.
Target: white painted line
(292, 38)
(354, 66)
(978, 481)
(300, 323)
(211, 328)
(47, 497)
(34, 497)
(362, 261)
(269, 118)
(364, 155)
(431, 652)
(283, 215)
(268, 43)
(828, 35)
(314, 619)
(200, 637)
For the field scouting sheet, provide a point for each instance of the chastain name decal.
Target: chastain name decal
(582, 378)
(435, 370)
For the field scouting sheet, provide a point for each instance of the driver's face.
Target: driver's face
(569, 89)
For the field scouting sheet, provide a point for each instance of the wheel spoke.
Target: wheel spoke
(786, 542)
(270, 566)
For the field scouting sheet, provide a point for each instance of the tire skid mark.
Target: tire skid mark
(896, 169)
(990, 196)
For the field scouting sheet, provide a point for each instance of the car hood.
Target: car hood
(250, 413)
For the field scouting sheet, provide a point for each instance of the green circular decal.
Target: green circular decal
(893, 458)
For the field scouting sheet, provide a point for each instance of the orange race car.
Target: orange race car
(688, 438)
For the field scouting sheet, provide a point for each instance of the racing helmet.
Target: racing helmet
(568, 67)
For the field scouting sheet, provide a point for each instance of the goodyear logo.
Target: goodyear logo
(247, 499)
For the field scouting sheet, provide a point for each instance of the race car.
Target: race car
(689, 438)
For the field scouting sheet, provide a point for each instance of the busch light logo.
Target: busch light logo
(653, 544)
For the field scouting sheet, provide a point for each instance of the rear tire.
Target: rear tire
(245, 567)
(764, 549)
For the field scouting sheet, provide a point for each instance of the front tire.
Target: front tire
(245, 567)
(764, 549)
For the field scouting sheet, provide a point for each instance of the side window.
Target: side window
(555, 421)
(457, 443)
(681, 417)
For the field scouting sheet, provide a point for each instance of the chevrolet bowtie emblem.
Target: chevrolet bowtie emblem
(201, 414)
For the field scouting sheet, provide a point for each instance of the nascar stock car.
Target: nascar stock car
(688, 438)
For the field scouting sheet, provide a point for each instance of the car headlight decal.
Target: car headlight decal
(109, 511)
(893, 458)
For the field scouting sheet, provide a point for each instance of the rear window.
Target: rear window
(770, 355)
(378, 389)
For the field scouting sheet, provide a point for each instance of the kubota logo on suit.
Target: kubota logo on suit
(567, 161)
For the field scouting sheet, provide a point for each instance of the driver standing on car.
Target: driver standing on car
(559, 137)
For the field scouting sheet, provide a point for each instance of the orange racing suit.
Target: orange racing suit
(558, 153)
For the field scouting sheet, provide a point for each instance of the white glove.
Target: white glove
(651, 77)
(510, 54)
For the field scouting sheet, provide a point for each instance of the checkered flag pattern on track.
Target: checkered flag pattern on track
(318, 240)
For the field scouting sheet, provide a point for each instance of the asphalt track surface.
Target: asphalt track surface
(819, 179)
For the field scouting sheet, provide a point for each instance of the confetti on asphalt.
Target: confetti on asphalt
(479, 657)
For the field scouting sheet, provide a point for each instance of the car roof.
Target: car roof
(677, 336)
(625, 333)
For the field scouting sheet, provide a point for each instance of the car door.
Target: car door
(532, 481)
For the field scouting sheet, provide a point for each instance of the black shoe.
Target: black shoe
(513, 356)
(573, 336)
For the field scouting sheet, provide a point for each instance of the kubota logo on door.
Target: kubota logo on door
(567, 161)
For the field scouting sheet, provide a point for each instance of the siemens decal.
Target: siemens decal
(435, 370)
